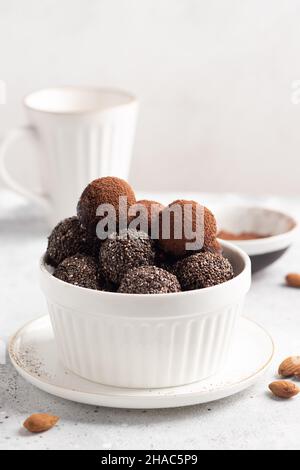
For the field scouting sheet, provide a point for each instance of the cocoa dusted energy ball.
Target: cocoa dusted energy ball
(203, 270)
(67, 238)
(149, 280)
(195, 218)
(124, 251)
(148, 215)
(106, 190)
(80, 270)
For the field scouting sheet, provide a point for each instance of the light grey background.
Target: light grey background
(214, 80)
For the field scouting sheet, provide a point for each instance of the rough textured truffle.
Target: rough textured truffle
(153, 208)
(207, 230)
(105, 190)
(203, 270)
(149, 280)
(80, 270)
(66, 239)
(124, 251)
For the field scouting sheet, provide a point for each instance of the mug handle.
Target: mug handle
(11, 137)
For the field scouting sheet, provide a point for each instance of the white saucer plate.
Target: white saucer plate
(33, 353)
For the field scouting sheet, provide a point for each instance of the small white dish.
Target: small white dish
(278, 228)
(143, 340)
(33, 353)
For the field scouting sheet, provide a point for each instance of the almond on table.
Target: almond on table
(293, 279)
(284, 389)
(290, 367)
(40, 422)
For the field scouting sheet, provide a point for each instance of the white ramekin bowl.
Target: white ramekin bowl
(146, 341)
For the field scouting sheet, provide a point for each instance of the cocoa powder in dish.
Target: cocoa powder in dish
(227, 235)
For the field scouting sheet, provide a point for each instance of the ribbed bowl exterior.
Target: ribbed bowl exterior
(140, 341)
(150, 354)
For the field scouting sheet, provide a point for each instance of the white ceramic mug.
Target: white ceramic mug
(83, 133)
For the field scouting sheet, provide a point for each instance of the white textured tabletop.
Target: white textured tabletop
(249, 420)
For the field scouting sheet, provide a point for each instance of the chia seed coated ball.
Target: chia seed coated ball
(149, 280)
(105, 190)
(80, 270)
(153, 209)
(124, 251)
(67, 238)
(203, 270)
(206, 229)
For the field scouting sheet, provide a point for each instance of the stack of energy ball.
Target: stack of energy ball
(129, 261)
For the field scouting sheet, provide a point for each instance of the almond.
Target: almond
(293, 280)
(40, 422)
(284, 389)
(290, 367)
